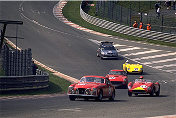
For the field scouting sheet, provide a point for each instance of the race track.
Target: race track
(73, 52)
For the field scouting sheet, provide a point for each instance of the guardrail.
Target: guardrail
(40, 80)
(152, 35)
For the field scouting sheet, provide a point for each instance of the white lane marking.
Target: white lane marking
(171, 65)
(118, 45)
(75, 109)
(95, 41)
(155, 56)
(140, 53)
(170, 70)
(127, 49)
(160, 61)
(166, 116)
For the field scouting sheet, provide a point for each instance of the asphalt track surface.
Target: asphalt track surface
(71, 52)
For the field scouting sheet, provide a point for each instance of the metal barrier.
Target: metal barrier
(8, 83)
(153, 35)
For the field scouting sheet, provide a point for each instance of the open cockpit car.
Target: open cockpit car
(133, 68)
(142, 86)
(96, 87)
(118, 78)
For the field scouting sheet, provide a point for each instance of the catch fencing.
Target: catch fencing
(16, 62)
(153, 35)
(113, 11)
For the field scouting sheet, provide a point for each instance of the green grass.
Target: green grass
(72, 12)
(56, 85)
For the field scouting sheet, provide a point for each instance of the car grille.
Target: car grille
(81, 90)
(115, 82)
(138, 91)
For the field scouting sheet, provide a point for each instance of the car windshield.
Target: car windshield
(108, 48)
(92, 79)
(142, 80)
(117, 73)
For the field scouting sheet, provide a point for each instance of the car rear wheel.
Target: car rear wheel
(72, 98)
(112, 97)
(129, 93)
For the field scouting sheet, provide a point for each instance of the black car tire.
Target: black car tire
(152, 92)
(158, 92)
(129, 94)
(72, 98)
(112, 97)
(100, 96)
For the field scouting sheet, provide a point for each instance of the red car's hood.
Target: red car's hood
(88, 85)
(141, 84)
(116, 77)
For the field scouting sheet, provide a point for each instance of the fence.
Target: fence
(24, 82)
(21, 73)
(17, 63)
(153, 35)
(112, 11)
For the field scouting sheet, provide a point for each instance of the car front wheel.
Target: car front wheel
(112, 97)
(129, 93)
(100, 96)
(158, 92)
(72, 98)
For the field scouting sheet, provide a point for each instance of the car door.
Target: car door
(108, 88)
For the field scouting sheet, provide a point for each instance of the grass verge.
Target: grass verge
(72, 12)
(56, 85)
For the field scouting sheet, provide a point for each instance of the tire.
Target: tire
(158, 92)
(129, 94)
(112, 97)
(142, 73)
(152, 92)
(100, 96)
(72, 98)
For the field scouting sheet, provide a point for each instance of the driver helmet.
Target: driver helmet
(141, 77)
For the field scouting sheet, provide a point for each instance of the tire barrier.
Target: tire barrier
(152, 35)
(8, 83)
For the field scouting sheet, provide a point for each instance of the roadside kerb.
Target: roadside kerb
(59, 74)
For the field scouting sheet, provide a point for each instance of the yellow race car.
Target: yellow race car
(132, 68)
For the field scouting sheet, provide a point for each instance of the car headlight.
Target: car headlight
(71, 89)
(102, 53)
(94, 91)
(87, 91)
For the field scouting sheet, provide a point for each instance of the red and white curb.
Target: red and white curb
(167, 116)
(57, 11)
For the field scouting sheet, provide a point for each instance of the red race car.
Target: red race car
(97, 87)
(118, 78)
(142, 86)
